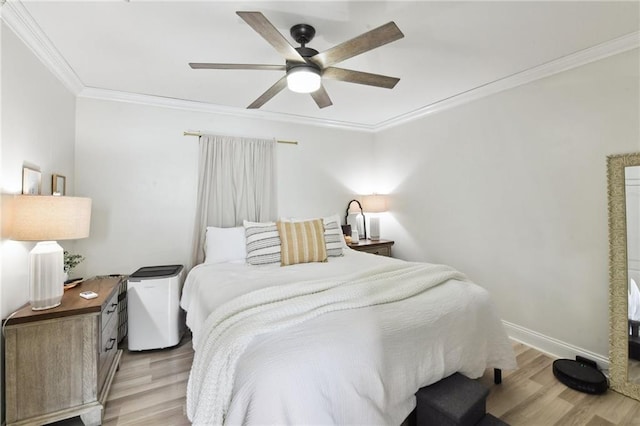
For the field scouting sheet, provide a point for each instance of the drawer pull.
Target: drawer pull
(112, 342)
(114, 305)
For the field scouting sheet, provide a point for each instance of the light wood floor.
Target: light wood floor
(150, 388)
(532, 395)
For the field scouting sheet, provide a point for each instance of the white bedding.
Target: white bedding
(358, 366)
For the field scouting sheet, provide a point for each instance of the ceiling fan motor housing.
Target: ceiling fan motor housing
(302, 33)
(306, 53)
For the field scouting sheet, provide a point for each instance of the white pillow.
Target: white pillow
(262, 243)
(225, 245)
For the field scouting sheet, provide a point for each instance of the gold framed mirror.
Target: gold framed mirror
(623, 177)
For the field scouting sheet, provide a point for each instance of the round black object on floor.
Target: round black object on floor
(579, 376)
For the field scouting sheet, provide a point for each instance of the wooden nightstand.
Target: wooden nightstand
(60, 362)
(380, 247)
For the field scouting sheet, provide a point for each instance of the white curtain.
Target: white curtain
(236, 181)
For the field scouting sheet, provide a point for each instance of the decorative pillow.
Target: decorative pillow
(302, 242)
(262, 243)
(225, 245)
(335, 243)
(333, 236)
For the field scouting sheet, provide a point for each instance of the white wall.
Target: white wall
(141, 173)
(511, 189)
(38, 128)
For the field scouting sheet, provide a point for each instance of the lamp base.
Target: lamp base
(374, 228)
(46, 271)
(55, 305)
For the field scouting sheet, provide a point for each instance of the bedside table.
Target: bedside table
(379, 247)
(60, 362)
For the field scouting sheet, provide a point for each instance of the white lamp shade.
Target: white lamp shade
(374, 203)
(49, 218)
(303, 79)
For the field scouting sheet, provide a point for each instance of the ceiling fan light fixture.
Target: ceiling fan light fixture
(304, 79)
(304, 66)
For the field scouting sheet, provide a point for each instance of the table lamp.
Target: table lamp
(46, 219)
(374, 203)
(346, 217)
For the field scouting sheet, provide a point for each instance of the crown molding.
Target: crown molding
(583, 57)
(159, 101)
(16, 16)
(574, 60)
(18, 19)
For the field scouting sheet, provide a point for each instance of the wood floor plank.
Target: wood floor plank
(611, 406)
(166, 413)
(599, 421)
(572, 396)
(150, 397)
(633, 417)
(151, 385)
(542, 408)
(502, 398)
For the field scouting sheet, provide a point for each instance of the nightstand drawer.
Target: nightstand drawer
(110, 310)
(379, 247)
(382, 251)
(108, 349)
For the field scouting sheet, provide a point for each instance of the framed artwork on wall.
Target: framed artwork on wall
(31, 181)
(58, 185)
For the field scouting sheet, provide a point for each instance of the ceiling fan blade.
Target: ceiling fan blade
(364, 42)
(321, 97)
(262, 26)
(203, 66)
(360, 77)
(270, 93)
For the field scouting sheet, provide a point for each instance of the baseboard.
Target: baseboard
(552, 347)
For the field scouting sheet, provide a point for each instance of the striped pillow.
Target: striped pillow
(333, 236)
(302, 242)
(334, 240)
(263, 243)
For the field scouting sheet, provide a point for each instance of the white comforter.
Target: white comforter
(359, 366)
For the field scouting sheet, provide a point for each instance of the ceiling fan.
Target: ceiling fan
(306, 67)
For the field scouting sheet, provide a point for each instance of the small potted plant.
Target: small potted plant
(70, 262)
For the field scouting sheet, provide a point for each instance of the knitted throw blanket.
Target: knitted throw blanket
(230, 329)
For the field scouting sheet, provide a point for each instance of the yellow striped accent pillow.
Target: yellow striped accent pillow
(302, 242)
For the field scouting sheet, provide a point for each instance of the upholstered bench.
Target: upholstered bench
(453, 401)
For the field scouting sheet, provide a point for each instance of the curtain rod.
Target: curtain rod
(200, 134)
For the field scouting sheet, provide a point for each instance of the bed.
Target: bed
(272, 348)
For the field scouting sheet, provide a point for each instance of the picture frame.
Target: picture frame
(31, 181)
(58, 185)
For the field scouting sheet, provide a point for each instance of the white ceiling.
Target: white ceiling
(450, 48)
